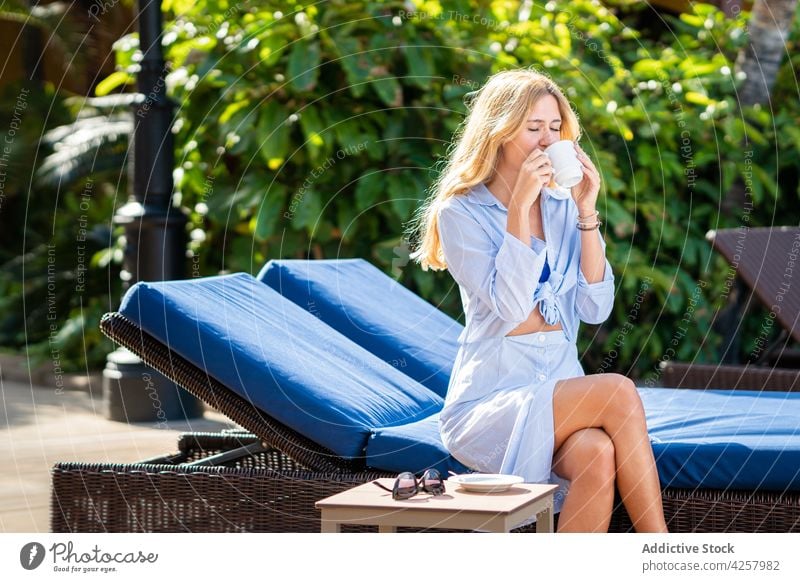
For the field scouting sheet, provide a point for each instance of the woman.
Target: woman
(530, 266)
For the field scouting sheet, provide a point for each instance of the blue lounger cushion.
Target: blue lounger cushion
(414, 447)
(375, 311)
(249, 338)
(725, 439)
(280, 357)
(712, 439)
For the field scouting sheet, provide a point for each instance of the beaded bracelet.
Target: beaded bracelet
(593, 226)
(583, 225)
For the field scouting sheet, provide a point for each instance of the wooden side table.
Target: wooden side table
(368, 504)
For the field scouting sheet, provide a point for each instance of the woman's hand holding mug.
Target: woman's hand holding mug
(535, 173)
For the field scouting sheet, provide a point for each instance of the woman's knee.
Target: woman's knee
(624, 402)
(588, 455)
(601, 463)
(606, 401)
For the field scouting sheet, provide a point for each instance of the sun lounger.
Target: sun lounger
(334, 414)
(720, 444)
(761, 258)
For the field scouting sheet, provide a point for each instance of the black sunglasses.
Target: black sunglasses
(406, 485)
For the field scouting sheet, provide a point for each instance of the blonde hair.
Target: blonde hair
(496, 113)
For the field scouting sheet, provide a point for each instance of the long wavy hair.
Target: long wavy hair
(496, 112)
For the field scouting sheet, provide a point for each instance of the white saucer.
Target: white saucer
(485, 482)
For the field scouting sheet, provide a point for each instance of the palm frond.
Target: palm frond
(87, 146)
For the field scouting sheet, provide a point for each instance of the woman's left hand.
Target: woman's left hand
(585, 192)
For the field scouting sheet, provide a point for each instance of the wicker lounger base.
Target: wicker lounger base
(276, 490)
(732, 377)
(269, 492)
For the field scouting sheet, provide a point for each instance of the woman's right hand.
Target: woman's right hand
(535, 173)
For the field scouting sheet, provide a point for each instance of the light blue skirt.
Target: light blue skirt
(498, 413)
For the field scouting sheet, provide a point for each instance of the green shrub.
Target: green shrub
(58, 275)
(316, 132)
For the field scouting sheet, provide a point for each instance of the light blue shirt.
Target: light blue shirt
(498, 275)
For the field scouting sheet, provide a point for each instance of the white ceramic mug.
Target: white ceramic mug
(567, 168)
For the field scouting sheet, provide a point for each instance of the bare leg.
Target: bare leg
(587, 459)
(611, 402)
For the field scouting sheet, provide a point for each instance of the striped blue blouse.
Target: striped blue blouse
(501, 279)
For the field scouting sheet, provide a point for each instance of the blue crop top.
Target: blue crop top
(540, 245)
(545, 273)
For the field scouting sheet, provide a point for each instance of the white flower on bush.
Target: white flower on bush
(176, 78)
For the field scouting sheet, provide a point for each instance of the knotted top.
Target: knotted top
(546, 295)
(499, 274)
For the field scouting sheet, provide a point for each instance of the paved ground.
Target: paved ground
(39, 427)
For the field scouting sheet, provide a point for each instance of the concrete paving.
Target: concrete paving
(41, 425)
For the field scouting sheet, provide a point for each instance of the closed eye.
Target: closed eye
(552, 129)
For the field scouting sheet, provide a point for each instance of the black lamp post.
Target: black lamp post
(155, 236)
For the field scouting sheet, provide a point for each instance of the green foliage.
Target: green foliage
(315, 131)
(59, 263)
(306, 133)
(94, 143)
(658, 109)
